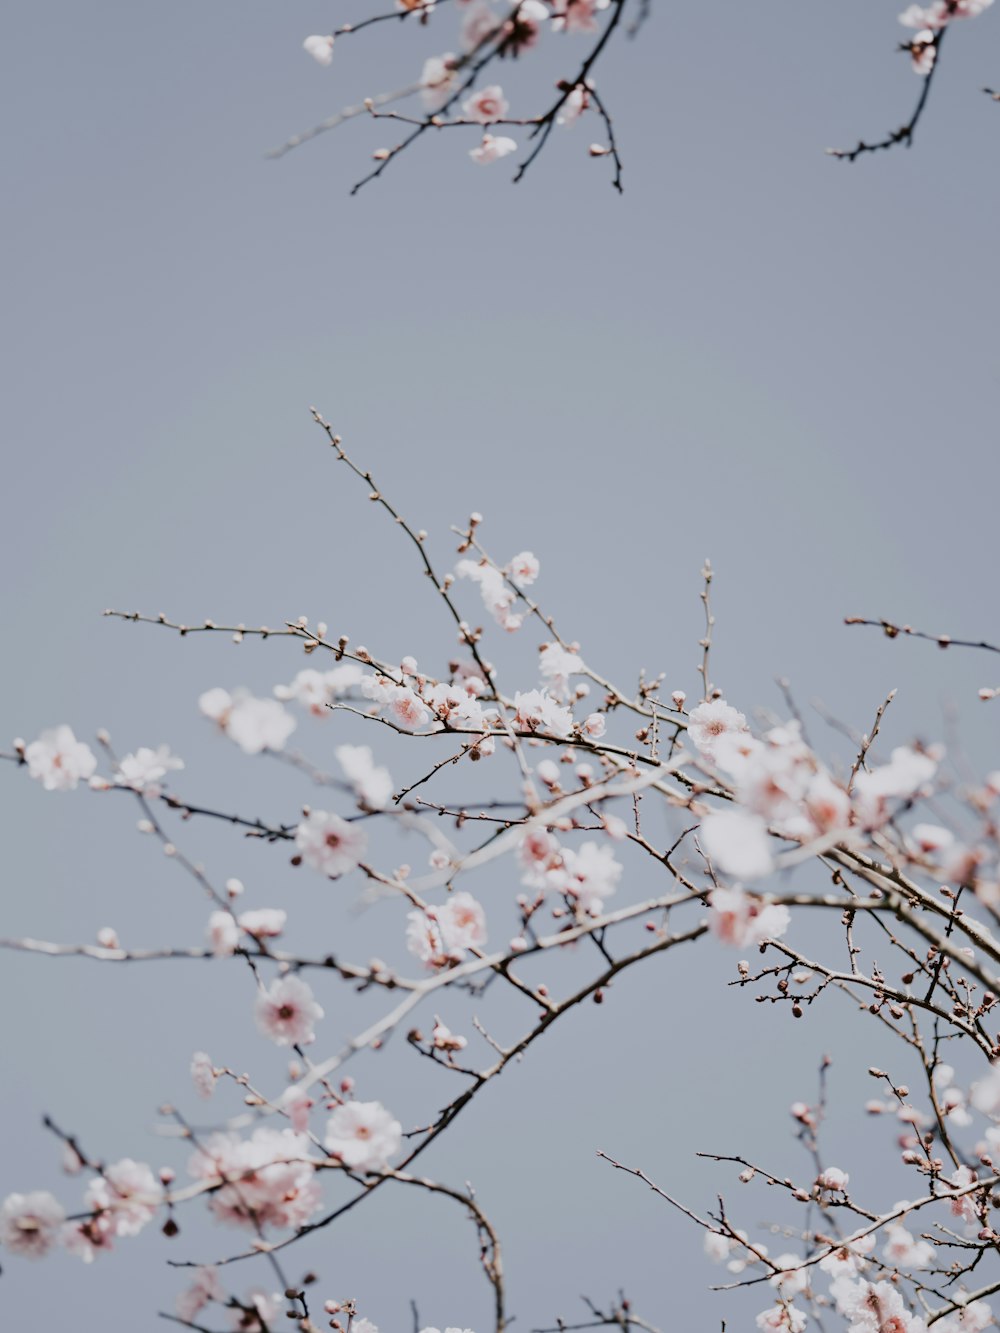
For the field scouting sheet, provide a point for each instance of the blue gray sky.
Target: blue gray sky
(757, 354)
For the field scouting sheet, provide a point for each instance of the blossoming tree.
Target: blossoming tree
(629, 823)
(459, 89)
(568, 773)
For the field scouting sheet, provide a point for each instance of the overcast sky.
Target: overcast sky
(757, 354)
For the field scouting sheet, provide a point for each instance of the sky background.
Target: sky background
(758, 354)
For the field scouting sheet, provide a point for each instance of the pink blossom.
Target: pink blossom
(524, 568)
(128, 1193)
(59, 761)
(423, 939)
(781, 1319)
(330, 844)
(486, 106)
(906, 774)
(574, 106)
(498, 597)
(363, 1135)
(903, 1251)
(557, 664)
(373, 786)
(479, 23)
(263, 922)
(203, 1074)
(833, 1179)
(286, 1012)
(438, 81)
(711, 720)
(792, 1279)
(261, 1310)
(320, 48)
(316, 690)
(739, 919)
(407, 709)
(223, 933)
(29, 1223)
(143, 770)
(296, 1104)
(591, 875)
(264, 1181)
(443, 1039)
(462, 922)
(577, 15)
(205, 1287)
(492, 149)
(737, 842)
(595, 726)
(874, 1307)
(965, 1206)
(537, 711)
(254, 724)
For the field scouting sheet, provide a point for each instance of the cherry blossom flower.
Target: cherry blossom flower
(58, 760)
(792, 1279)
(363, 1135)
(203, 1074)
(523, 31)
(296, 1104)
(965, 1206)
(574, 106)
(486, 106)
(833, 1179)
(317, 690)
(577, 15)
(781, 1319)
(524, 568)
(848, 1260)
(143, 770)
(264, 1181)
(407, 709)
(330, 844)
(492, 149)
(438, 81)
(709, 721)
(941, 12)
(874, 1307)
(86, 1238)
(286, 1012)
(254, 724)
(29, 1223)
(263, 922)
(591, 875)
(478, 24)
(971, 1318)
(205, 1287)
(128, 1193)
(903, 1251)
(374, 786)
(594, 726)
(443, 1039)
(985, 1092)
(423, 939)
(739, 919)
(462, 923)
(557, 664)
(223, 933)
(907, 773)
(320, 48)
(261, 1310)
(737, 842)
(498, 597)
(536, 711)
